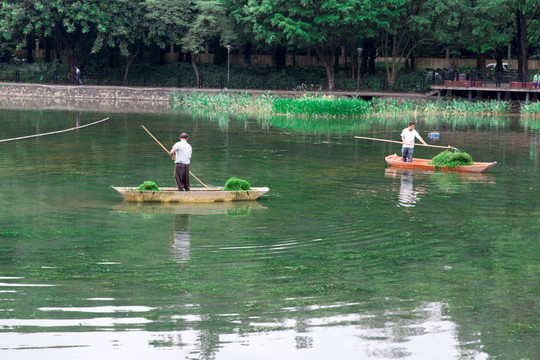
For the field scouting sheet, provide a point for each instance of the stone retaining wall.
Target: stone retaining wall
(19, 96)
(84, 92)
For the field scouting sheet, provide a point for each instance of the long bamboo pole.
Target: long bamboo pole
(54, 132)
(400, 142)
(167, 151)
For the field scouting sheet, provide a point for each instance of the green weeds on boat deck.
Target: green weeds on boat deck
(451, 160)
(236, 184)
(148, 186)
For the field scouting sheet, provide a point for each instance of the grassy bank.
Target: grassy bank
(332, 107)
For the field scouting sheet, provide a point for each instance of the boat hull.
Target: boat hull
(423, 164)
(196, 195)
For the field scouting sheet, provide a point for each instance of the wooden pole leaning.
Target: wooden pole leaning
(400, 142)
(167, 151)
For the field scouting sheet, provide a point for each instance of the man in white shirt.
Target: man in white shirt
(407, 136)
(181, 154)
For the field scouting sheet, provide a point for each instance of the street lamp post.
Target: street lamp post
(359, 50)
(228, 63)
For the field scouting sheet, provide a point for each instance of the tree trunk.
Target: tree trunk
(195, 68)
(29, 48)
(481, 62)
(331, 75)
(326, 53)
(280, 58)
(368, 62)
(521, 41)
(68, 50)
(498, 58)
(354, 61)
(249, 50)
(130, 60)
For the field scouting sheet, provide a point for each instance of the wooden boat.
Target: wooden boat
(423, 164)
(196, 195)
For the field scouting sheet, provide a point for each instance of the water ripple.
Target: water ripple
(99, 309)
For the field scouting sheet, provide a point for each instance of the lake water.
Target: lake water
(344, 258)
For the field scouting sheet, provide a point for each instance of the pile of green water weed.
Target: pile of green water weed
(451, 160)
(236, 184)
(148, 186)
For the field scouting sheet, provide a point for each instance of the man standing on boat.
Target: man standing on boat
(181, 154)
(407, 136)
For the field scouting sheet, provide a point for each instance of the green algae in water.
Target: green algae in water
(451, 160)
(148, 186)
(236, 184)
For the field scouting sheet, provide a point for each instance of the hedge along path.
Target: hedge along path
(53, 132)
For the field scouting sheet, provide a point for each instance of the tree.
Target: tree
(120, 24)
(404, 25)
(188, 23)
(64, 20)
(480, 26)
(526, 11)
(321, 25)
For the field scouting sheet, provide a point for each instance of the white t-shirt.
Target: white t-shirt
(183, 152)
(409, 137)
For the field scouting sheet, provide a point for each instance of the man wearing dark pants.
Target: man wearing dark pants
(181, 154)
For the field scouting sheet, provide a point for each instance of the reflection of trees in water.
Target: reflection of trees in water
(180, 241)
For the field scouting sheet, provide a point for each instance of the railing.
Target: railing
(475, 79)
(211, 79)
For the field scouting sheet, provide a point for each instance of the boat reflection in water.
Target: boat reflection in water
(408, 196)
(448, 182)
(213, 208)
(180, 241)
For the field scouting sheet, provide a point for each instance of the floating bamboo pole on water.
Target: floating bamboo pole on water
(54, 132)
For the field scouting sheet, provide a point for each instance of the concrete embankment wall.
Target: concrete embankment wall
(83, 98)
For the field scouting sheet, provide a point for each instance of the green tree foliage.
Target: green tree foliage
(480, 26)
(525, 15)
(120, 24)
(69, 23)
(188, 23)
(395, 29)
(404, 25)
(322, 25)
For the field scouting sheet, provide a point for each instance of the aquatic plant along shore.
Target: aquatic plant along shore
(330, 106)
